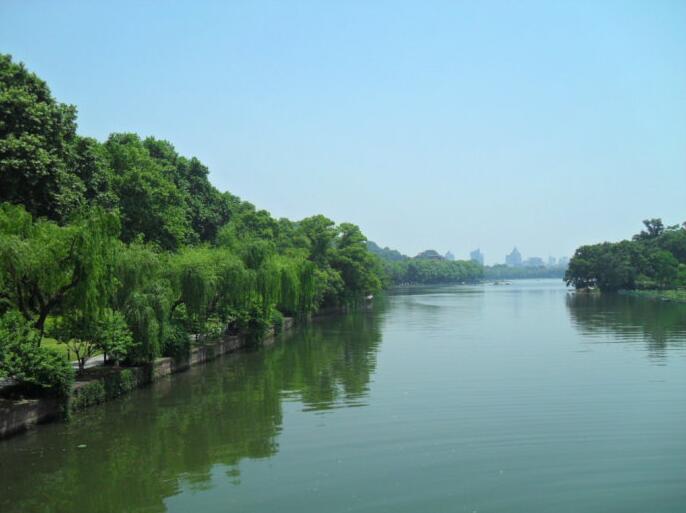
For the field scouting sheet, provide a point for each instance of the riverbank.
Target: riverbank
(107, 383)
(673, 296)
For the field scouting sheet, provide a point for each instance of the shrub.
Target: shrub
(177, 344)
(37, 369)
(88, 395)
(113, 335)
(277, 321)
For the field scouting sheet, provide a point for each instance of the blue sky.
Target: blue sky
(446, 125)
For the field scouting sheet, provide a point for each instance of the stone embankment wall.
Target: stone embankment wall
(17, 416)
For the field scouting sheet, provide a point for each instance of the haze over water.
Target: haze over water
(447, 399)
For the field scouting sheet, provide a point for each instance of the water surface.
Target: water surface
(520, 398)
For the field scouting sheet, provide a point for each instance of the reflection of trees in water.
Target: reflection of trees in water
(660, 324)
(334, 361)
(140, 449)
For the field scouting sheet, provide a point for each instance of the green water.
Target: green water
(520, 398)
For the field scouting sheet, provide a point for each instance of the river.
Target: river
(512, 398)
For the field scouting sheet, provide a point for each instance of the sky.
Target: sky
(446, 125)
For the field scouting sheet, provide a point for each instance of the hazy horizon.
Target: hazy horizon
(432, 126)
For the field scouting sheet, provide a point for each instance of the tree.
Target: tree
(320, 232)
(151, 204)
(206, 208)
(36, 138)
(113, 336)
(664, 267)
(44, 266)
(78, 332)
(654, 228)
(357, 266)
(144, 296)
(651, 259)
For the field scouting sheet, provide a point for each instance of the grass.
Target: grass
(60, 349)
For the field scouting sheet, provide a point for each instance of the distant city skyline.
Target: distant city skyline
(523, 259)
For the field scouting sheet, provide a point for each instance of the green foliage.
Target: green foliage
(127, 381)
(506, 272)
(151, 204)
(276, 320)
(654, 228)
(652, 259)
(37, 135)
(87, 395)
(147, 313)
(355, 264)
(143, 297)
(78, 332)
(424, 271)
(108, 386)
(177, 343)
(113, 336)
(37, 369)
(44, 266)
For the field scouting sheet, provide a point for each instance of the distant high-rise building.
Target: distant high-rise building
(477, 256)
(552, 261)
(514, 259)
(533, 262)
(449, 256)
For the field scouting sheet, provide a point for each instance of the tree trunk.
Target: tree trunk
(40, 322)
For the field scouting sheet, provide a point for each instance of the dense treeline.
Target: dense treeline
(426, 268)
(125, 247)
(506, 272)
(654, 259)
(420, 271)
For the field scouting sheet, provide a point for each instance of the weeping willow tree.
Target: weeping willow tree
(289, 287)
(308, 288)
(268, 286)
(193, 275)
(146, 315)
(298, 287)
(44, 266)
(235, 286)
(144, 297)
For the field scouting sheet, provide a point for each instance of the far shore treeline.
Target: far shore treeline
(653, 259)
(430, 267)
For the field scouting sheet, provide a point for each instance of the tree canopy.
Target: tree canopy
(654, 258)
